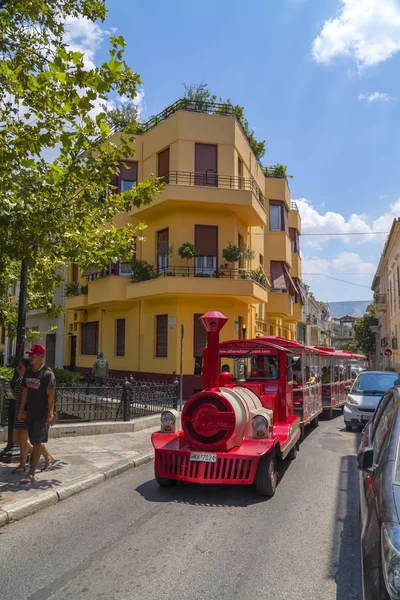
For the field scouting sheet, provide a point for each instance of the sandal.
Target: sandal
(19, 469)
(28, 479)
(48, 465)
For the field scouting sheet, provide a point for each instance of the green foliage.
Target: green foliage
(12, 362)
(120, 118)
(349, 346)
(206, 275)
(364, 338)
(66, 378)
(188, 251)
(259, 276)
(248, 253)
(232, 253)
(71, 289)
(53, 213)
(164, 249)
(277, 170)
(143, 271)
(6, 373)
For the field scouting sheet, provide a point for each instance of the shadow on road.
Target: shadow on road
(345, 566)
(212, 495)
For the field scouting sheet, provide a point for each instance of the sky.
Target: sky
(319, 83)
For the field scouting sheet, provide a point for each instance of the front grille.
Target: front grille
(224, 470)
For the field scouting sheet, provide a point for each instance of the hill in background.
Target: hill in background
(356, 308)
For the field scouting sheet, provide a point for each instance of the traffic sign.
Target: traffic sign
(388, 352)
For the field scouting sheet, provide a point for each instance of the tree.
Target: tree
(349, 346)
(364, 337)
(59, 211)
(119, 118)
(188, 251)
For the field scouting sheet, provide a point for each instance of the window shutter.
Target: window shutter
(128, 171)
(163, 165)
(162, 336)
(278, 276)
(199, 336)
(90, 337)
(120, 337)
(206, 239)
(205, 164)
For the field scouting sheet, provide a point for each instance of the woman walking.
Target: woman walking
(20, 430)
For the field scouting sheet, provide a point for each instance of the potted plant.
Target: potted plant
(232, 253)
(248, 255)
(164, 250)
(188, 251)
(142, 271)
(72, 289)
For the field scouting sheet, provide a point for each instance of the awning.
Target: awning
(290, 284)
(89, 271)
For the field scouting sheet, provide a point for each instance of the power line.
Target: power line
(341, 280)
(330, 234)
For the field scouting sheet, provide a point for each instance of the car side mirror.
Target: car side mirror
(365, 459)
(347, 388)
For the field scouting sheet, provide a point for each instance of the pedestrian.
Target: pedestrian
(20, 429)
(100, 367)
(38, 399)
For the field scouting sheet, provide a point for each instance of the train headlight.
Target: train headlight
(167, 419)
(260, 425)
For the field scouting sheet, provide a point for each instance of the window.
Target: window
(90, 338)
(161, 336)
(120, 331)
(261, 258)
(205, 165)
(398, 281)
(74, 272)
(281, 278)
(128, 175)
(278, 217)
(162, 249)
(294, 239)
(163, 165)
(125, 269)
(240, 173)
(383, 425)
(391, 296)
(206, 242)
(199, 336)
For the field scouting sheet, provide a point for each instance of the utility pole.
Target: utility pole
(7, 454)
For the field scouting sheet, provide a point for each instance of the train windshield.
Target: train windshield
(264, 367)
(245, 367)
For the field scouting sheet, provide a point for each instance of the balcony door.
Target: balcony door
(206, 242)
(205, 165)
(162, 250)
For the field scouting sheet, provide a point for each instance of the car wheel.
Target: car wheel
(267, 476)
(165, 481)
(293, 453)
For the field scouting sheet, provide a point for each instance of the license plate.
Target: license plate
(365, 418)
(199, 457)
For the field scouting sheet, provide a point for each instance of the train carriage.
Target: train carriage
(335, 378)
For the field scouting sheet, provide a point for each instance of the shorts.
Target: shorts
(38, 432)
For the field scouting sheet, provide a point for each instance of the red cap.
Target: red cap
(37, 349)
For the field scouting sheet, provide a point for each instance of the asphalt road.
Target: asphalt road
(127, 539)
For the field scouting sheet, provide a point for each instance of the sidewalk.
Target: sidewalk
(80, 463)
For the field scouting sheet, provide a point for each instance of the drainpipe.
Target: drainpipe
(139, 322)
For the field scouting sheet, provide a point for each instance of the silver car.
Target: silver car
(364, 396)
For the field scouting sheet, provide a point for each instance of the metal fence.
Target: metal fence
(112, 400)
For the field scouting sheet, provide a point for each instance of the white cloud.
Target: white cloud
(375, 97)
(314, 221)
(83, 35)
(367, 31)
(345, 265)
(138, 101)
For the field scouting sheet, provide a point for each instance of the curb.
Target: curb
(16, 511)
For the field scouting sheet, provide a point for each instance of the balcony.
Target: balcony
(278, 247)
(277, 189)
(76, 302)
(235, 283)
(294, 217)
(295, 270)
(242, 195)
(280, 304)
(298, 311)
(380, 302)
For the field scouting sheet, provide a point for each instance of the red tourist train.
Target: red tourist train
(258, 395)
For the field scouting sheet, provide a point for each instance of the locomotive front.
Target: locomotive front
(224, 434)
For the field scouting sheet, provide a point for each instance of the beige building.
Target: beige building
(386, 287)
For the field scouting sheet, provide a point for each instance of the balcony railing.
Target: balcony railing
(380, 298)
(293, 206)
(213, 179)
(208, 273)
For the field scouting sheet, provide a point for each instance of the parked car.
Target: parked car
(364, 396)
(378, 458)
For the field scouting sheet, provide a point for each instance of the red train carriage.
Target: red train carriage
(335, 378)
(233, 432)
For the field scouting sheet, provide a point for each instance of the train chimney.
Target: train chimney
(212, 322)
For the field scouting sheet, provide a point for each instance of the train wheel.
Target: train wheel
(293, 453)
(165, 481)
(315, 421)
(267, 476)
(349, 427)
(329, 414)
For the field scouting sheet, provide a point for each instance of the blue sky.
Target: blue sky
(319, 82)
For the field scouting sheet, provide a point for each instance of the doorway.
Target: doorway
(72, 356)
(51, 350)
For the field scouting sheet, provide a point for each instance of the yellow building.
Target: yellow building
(216, 195)
(386, 287)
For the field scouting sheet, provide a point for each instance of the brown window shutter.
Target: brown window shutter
(278, 275)
(285, 218)
(199, 336)
(90, 338)
(120, 337)
(128, 170)
(74, 272)
(206, 239)
(205, 164)
(163, 165)
(162, 336)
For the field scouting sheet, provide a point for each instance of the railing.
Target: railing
(213, 179)
(269, 172)
(92, 401)
(293, 206)
(380, 298)
(211, 273)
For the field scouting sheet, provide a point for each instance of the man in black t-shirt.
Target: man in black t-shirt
(38, 398)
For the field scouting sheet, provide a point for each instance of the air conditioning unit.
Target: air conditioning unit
(80, 316)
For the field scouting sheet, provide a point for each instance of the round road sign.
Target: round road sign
(388, 352)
